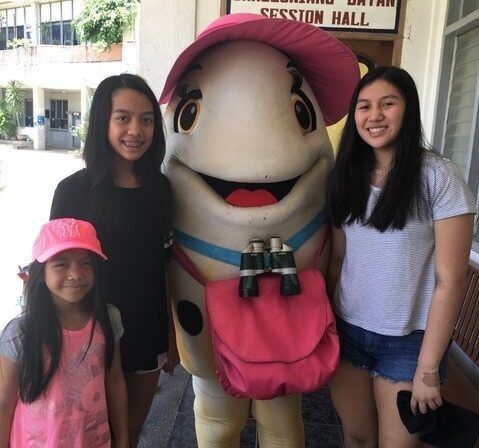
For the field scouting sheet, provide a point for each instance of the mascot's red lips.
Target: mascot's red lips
(248, 194)
(247, 198)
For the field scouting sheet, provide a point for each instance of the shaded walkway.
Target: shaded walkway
(170, 423)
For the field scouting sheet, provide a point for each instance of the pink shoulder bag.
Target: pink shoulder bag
(270, 345)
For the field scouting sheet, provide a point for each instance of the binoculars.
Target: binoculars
(278, 258)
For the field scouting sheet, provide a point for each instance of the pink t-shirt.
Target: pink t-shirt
(72, 413)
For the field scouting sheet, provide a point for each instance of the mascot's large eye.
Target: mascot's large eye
(302, 105)
(303, 115)
(187, 116)
(188, 109)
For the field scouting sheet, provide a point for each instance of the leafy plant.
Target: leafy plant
(81, 131)
(15, 43)
(102, 22)
(14, 99)
(7, 126)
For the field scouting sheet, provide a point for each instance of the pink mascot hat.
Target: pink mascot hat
(321, 58)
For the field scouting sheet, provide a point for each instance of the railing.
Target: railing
(33, 55)
(466, 332)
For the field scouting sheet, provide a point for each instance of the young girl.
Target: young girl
(403, 220)
(123, 193)
(60, 370)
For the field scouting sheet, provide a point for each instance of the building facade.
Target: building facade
(39, 49)
(437, 41)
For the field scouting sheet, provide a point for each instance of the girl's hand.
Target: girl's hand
(426, 391)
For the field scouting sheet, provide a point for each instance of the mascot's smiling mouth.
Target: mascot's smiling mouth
(243, 194)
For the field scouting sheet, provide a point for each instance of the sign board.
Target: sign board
(40, 120)
(380, 16)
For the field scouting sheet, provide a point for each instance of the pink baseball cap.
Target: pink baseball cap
(330, 67)
(62, 234)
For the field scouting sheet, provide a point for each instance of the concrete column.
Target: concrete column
(36, 23)
(85, 100)
(39, 118)
(158, 49)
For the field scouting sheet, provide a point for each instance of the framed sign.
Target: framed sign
(380, 16)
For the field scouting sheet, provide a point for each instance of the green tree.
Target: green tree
(102, 22)
(14, 100)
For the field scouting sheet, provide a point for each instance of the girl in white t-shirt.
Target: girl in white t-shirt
(402, 231)
(61, 380)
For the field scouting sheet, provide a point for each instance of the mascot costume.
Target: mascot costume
(248, 156)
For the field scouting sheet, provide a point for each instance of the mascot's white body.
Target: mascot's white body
(240, 116)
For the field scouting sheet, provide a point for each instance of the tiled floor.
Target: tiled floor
(170, 423)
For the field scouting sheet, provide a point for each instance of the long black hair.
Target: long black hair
(98, 155)
(349, 183)
(41, 331)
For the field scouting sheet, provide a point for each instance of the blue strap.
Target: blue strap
(209, 250)
(233, 257)
(298, 239)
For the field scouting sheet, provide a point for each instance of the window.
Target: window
(29, 22)
(20, 23)
(3, 34)
(58, 114)
(14, 24)
(28, 113)
(456, 131)
(55, 28)
(462, 96)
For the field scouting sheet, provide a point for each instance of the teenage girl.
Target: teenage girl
(123, 193)
(60, 370)
(402, 231)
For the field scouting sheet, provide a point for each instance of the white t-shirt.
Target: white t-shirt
(388, 279)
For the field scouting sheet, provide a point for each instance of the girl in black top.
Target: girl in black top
(124, 194)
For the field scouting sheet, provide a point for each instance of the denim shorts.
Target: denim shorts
(391, 357)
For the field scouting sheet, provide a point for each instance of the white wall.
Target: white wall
(423, 31)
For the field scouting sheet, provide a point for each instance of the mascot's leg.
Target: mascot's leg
(279, 421)
(219, 418)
